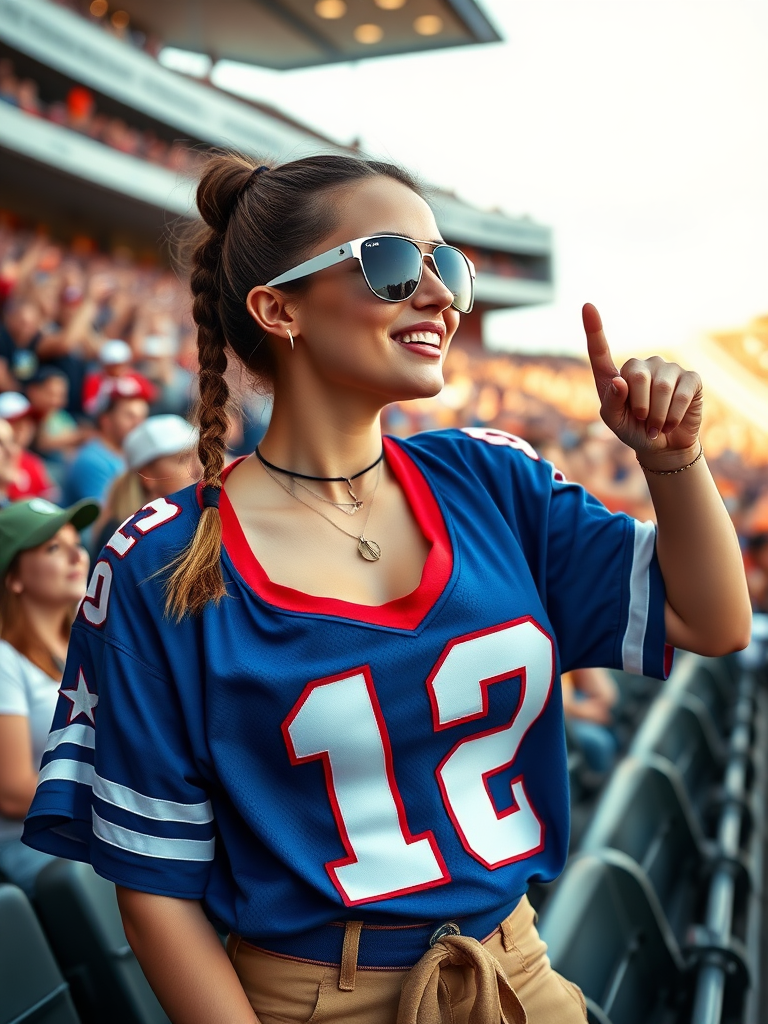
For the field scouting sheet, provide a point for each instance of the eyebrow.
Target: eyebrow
(401, 234)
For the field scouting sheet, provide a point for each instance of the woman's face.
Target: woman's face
(55, 573)
(354, 339)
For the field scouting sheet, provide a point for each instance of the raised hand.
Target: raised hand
(651, 405)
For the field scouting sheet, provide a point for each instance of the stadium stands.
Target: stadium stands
(32, 987)
(80, 915)
(659, 914)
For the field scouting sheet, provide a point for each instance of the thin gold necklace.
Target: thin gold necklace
(367, 549)
(347, 507)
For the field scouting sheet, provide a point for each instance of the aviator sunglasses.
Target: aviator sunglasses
(392, 266)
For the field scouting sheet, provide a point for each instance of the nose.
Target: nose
(432, 291)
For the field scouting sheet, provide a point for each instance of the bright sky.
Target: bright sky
(637, 129)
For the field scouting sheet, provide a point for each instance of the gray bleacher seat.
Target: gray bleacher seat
(32, 988)
(681, 730)
(645, 812)
(606, 931)
(79, 912)
(712, 683)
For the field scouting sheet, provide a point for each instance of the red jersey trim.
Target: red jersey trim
(405, 612)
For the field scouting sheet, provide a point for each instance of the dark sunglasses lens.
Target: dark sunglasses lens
(392, 267)
(455, 274)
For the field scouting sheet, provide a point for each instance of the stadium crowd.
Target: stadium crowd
(97, 387)
(76, 108)
(83, 333)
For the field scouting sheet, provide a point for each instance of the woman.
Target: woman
(337, 729)
(44, 569)
(161, 459)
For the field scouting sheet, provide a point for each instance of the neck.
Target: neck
(109, 443)
(322, 434)
(48, 623)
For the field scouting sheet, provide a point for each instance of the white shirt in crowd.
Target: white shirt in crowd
(25, 690)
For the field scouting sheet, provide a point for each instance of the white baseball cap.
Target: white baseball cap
(155, 346)
(114, 352)
(13, 406)
(158, 436)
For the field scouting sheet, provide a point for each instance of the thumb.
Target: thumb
(612, 408)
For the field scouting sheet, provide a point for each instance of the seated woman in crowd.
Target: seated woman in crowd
(44, 571)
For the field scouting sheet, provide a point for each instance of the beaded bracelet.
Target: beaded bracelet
(671, 472)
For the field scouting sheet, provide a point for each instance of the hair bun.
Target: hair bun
(223, 181)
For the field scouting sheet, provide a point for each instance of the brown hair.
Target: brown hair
(125, 496)
(17, 630)
(257, 222)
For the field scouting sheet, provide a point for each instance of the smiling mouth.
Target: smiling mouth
(420, 338)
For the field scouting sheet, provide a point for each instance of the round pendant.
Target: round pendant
(369, 549)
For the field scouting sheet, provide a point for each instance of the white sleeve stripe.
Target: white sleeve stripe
(152, 846)
(639, 597)
(151, 807)
(80, 733)
(67, 771)
(123, 797)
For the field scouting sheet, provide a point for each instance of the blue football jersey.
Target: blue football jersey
(293, 760)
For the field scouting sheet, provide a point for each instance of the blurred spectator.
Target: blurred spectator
(175, 386)
(20, 337)
(115, 357)
(120, 407)
(162, 458)
(43, 574)
(589, 696)
(31, 477)
(9, 453)
(58, 435)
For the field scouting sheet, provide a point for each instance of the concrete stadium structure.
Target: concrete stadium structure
(53, 174)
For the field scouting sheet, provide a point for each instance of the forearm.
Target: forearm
(708, 602)
(183, 960)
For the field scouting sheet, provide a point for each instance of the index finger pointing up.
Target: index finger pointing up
(603, 366)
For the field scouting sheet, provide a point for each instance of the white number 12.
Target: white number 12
(339, 721)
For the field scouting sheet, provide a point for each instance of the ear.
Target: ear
(272, 310)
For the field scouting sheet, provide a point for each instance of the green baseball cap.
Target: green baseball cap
(25, 524)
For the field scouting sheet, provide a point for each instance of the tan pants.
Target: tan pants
(289, 991)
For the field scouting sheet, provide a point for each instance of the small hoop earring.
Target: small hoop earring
(290, 336)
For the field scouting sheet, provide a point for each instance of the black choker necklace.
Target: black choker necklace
(322, 479)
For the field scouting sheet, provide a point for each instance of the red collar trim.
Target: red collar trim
(404, 613)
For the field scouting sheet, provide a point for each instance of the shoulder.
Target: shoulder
(10, 658)
(129, 570)
(154, 534)
(481, 449)
(16, 670)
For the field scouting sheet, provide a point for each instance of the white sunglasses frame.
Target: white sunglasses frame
(354, 249)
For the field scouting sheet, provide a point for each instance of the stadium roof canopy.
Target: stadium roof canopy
(287, 34)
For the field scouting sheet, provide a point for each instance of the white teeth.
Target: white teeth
(420, 337)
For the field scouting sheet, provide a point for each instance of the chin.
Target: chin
(427, 386)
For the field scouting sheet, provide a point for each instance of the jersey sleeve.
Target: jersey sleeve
(605, 593)
(596, 571)
(119, 784)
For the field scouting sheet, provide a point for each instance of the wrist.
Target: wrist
(667, 463)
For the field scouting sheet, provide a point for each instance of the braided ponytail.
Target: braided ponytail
(195, 575)
(257, 222)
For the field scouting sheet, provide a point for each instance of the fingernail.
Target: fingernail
(653, 433)
(614, 389)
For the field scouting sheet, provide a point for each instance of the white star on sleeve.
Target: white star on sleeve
(83, 701)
